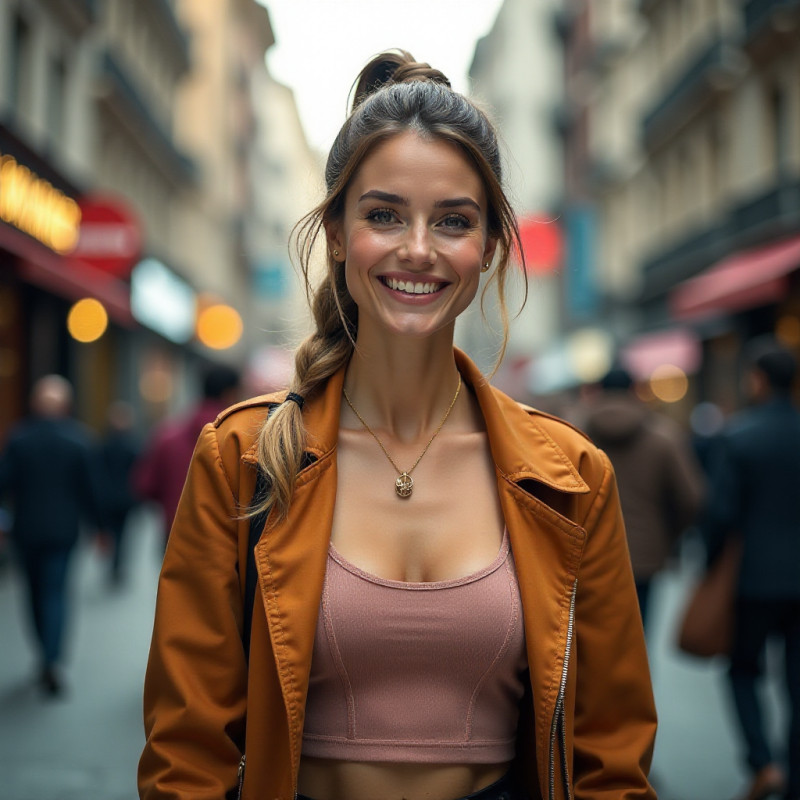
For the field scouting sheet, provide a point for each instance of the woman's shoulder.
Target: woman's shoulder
(568, 441)
(237, 427)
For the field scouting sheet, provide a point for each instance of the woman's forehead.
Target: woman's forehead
(418, 164)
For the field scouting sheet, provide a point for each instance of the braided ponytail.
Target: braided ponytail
(394, 93)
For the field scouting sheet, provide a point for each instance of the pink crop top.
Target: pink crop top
(417, 672)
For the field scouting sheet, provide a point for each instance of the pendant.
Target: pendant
(404, 485)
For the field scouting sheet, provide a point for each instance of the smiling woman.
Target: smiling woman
(470, 631)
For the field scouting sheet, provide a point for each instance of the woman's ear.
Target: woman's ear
(489, 250)
(335, 240)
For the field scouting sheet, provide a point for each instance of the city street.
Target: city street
(86, 745)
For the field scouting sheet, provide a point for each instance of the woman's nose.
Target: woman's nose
(418, 246)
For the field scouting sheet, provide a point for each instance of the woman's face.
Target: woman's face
(413, 236)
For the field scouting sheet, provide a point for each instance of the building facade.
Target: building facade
(127, 141)
(684, 135)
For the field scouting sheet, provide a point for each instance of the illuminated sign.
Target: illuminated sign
(36, 207)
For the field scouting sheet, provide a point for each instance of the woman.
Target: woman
(445, 605)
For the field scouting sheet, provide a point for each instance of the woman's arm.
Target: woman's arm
(615, 717)
(195, 687)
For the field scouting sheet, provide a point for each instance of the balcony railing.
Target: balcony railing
(771, 214)
(713, 71)
(779, 207)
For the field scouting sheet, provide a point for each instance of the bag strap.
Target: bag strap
(251, 574)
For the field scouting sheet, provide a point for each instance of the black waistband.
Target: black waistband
(506, 788)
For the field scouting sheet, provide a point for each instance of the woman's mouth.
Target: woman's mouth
(412, 287)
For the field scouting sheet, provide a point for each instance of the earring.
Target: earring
(335, 253)
(485, 267)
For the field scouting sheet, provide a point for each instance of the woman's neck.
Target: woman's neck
(403, 388)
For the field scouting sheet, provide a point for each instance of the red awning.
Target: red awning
(66, 277)
(743, 280)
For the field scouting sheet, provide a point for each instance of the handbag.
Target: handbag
(706, 628)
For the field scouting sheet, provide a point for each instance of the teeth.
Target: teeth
(411, 288)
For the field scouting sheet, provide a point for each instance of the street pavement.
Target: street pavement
(85, 746)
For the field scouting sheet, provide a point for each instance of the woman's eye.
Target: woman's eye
(456, 222)
(383, 216)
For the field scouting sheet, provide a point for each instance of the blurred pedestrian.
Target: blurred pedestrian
(428, 550)
(160, 472)
(119, 451)
(755, 493)
(706, 423)
(661, 484)
(49, 472)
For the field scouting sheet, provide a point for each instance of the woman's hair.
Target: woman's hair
(393, 94)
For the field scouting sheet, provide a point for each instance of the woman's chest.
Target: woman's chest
(450, 526)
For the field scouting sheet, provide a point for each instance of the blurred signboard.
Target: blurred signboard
(270, 280)
(110, 236)
(542, 244)
(33, 205)
(162, 301)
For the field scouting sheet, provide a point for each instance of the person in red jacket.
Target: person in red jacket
(160, 473)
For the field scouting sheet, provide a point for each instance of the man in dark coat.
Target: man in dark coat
(48, 472)
(661, 484)
(756, 493)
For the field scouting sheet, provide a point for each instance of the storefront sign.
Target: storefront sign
(110, 236)
(35, 206)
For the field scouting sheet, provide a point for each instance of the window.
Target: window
(56, 102)
(21, 66)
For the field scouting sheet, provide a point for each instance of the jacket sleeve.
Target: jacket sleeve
(195, 686)
(615, 716)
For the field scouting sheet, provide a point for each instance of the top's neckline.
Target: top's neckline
(501, 556)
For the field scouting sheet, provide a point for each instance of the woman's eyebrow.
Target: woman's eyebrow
(453, 202)
(386, 197)
(389, 197)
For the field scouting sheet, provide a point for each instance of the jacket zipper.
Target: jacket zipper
(558, 725)
(241, 775)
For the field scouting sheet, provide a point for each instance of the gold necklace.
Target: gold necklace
(404, 484)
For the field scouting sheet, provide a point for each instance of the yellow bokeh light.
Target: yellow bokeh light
(219, 326)
(669, 383)
(87, 320)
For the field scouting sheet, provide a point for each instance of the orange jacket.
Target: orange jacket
(588, 722)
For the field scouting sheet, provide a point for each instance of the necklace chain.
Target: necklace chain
(404, 484)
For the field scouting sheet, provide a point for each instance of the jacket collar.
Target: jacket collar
(514, 435)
